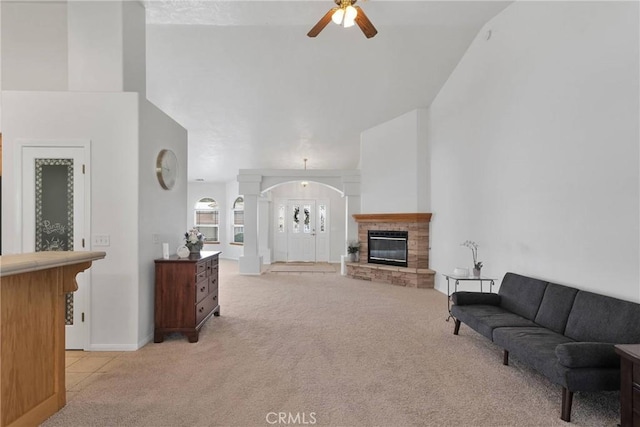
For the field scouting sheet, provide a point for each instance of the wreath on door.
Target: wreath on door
(306, 217)
(296, 212)
(296, 215)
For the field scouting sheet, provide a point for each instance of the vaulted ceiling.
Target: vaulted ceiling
(254, 91)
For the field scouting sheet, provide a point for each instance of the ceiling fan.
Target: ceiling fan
(346, 14)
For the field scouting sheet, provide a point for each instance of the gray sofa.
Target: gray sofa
(566, 334)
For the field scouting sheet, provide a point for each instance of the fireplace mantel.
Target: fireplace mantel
(393, 217)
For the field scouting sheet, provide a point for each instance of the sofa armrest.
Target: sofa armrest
(587, 355)
(475, 298)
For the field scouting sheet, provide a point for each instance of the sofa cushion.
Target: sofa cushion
(555, 307)
(600, 318)
(535, 346)
(485, 318)
(468, 298)
(587, 355)
(521, 295)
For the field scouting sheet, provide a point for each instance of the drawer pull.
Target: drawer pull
(201, 309)
(215, 297)
(203, 288)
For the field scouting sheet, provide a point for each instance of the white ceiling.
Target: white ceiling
(254, 91)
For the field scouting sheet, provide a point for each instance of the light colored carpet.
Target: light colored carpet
(353, 353)
(301, 267)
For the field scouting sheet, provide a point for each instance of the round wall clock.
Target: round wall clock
(167, 169)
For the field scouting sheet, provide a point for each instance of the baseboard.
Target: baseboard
(146, 340)
(112, 347)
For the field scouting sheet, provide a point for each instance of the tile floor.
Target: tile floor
(84, 367)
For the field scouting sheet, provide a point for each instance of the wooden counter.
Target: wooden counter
(32, 346)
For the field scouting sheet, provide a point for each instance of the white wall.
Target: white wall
(34, 45)
(534, 148)
(395, 166)
(134, 49)
(95, 46)
(106, 44)
(110, 122)
(127, 203)
(162, 216)
(126, 134)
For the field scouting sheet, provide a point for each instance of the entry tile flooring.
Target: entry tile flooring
(301, 268)
(84, 367)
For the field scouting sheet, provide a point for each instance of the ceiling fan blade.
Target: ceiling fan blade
(365, 25)
(321, 23)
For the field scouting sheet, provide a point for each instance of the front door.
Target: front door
(53, 217)
(302, 231)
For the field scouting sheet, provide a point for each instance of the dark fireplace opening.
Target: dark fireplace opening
(388, 247)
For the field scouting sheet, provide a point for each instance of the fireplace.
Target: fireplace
(396, 246)
(388, 247)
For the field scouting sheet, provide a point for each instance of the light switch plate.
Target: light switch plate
(101, 240)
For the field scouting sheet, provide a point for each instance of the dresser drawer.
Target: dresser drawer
(213, 284)
(203, 308)
(213, 296)
(201, 267)
(202, 289)
(201, 276)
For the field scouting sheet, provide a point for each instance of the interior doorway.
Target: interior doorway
(55, 217)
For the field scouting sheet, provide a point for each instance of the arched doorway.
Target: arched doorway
(267, 209)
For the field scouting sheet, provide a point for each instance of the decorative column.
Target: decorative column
(264, 223)
(251, 262)
(351, 191)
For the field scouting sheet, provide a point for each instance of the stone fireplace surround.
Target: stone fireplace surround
(417, 273)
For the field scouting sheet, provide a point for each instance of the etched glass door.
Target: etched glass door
(53, 217)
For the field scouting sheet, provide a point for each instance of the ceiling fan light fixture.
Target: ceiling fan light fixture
(347, 15)
(350, 14)
(337, 16)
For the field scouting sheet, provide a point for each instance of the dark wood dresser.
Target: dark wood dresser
(186, 294)
(629, 384)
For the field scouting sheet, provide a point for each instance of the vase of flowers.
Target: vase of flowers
(352, 249)
(477, 265)
(194, 240)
